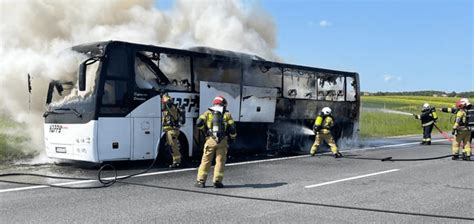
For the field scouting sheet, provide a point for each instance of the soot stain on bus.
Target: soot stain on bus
(113, 112)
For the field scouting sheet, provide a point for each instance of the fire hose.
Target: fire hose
(104, 181)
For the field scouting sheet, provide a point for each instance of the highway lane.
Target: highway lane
(438, 187)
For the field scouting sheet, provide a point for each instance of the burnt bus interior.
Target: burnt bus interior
(128, 74)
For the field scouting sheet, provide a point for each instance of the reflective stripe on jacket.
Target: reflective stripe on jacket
(427, 117)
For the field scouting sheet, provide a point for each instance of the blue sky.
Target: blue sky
(395, 45)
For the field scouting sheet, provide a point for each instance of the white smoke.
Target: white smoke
(34, 33)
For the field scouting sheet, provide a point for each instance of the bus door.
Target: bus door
(146, 125)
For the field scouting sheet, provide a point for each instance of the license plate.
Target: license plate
(61, 149)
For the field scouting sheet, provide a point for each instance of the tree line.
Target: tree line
(469, 94)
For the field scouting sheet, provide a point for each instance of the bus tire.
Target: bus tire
(165, 154)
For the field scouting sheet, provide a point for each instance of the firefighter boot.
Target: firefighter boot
(455, 157)
(466, 157)
(175, 165)
(218, 185)
(338, 155)
(428, 142)
(200, 184)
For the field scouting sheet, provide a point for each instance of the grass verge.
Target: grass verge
(12, 144)
(381, 124)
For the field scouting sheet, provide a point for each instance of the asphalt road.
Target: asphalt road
(298, 189)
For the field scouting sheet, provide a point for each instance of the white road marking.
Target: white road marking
(44, 186)
(191, 169)
(390, 146)
(351, 178)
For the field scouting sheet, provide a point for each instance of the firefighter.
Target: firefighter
(322, 128)
(461, 131)
(220, 131)
(172, 120)
(454, 110)
(428, 118)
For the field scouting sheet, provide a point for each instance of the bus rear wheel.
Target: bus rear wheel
(165, 156)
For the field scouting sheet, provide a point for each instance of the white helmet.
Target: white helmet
(466, 101)
(426, 106)
(326, 111)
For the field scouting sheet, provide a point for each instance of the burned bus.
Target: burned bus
(112, 110)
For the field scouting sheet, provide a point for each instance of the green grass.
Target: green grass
(12, 146)
(380, 124)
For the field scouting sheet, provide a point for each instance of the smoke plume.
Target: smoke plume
(34, 34)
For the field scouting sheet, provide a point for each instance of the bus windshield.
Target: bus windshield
(63, 96)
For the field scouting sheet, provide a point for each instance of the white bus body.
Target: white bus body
(114, 111)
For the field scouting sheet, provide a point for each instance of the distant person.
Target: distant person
(220, 130)
(461, 131)
(322, 128)
(172, 120)
(428, 118)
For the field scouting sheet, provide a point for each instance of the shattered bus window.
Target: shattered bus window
(264, 75)
(154, 71)
(66, 90)
(351, 88)
(330, 87)
(213, 70)
(299, 84)
(178, 70)
(145, 77)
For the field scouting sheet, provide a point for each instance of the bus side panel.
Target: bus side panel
(231, 92)
(114, 138)
(143, 132)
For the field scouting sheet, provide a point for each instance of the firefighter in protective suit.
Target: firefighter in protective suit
(454, 110)
(172, 118)
(428, 118)
(322, 128)
(461, 131)
(220, 130)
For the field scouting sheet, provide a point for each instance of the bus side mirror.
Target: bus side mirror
(82, 76)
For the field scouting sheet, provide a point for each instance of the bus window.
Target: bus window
(162, 71)
(115, 95)
(178, 70)
(118, 66)
(261, 76)
(145, 77)
(299, 85)
(351, 88)
(214, 70)
(330, 87)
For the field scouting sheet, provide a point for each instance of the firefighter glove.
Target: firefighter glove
(454, 132)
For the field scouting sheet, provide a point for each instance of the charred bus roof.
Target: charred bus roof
(99, 49)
